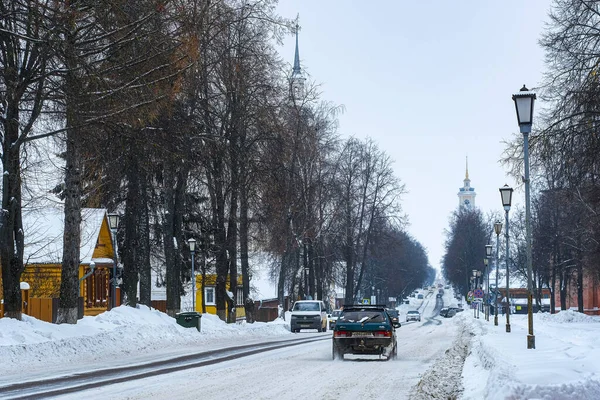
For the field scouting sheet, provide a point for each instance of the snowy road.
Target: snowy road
(303, 371)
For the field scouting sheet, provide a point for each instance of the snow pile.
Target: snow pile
(443, 379)
(567, 316)
(124, 330)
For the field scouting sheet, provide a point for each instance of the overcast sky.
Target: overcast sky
(431, 83)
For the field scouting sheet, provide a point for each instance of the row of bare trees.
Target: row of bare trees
(565, 156)
(178, 115)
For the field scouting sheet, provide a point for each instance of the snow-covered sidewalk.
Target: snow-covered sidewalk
(564, 365)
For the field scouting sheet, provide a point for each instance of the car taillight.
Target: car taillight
(341, 334)
(382, 334)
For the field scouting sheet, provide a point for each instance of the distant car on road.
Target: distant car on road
(413, 315)
(419, 296)
(394, 315)
(364, 329)
(332, 318)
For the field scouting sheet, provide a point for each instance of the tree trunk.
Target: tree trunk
(553, 290)
(172, 273)
(69, 283)
(563, 290)
(131, 219)
(248, 302)
(144, 247)
(580, 286)
(11, 229)
(232, 228)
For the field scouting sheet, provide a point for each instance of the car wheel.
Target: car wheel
(337, 354)
(394, 354)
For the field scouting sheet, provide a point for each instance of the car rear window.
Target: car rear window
(366, 316)
(413, 312)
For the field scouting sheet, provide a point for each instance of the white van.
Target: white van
(309, 314)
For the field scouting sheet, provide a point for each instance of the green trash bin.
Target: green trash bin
(190, 319)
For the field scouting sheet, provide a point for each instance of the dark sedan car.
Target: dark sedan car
(364, 329)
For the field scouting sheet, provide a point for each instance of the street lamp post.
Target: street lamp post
(506, 195)
(113, 224)
(488, 254)
(192, 244)
(524, 105)
(498, 231)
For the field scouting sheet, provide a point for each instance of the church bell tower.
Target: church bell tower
(466, 194)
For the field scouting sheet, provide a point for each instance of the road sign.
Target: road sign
(478, 293)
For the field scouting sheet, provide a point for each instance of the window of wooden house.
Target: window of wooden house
(239, 298)
(209, 295)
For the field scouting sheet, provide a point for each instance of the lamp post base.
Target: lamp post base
(496, 320)
(531, 341)
(507, 328)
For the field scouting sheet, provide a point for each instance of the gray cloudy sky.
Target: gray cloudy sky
(431, 83)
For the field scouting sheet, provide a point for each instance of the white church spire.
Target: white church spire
(466, 194)
(297, 79)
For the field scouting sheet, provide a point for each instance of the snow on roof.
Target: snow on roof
(43, 228)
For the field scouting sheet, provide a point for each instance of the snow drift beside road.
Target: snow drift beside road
(564, 365)
(32, 343)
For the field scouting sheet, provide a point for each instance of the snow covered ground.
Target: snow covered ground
(477, 361)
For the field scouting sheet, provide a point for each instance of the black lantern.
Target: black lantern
(488, 250)
(192, 244)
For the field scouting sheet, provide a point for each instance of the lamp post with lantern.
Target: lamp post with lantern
(506, 195)
(113, 224)
(498, 231)
(524, 101)
(488, 255)
(192, 244)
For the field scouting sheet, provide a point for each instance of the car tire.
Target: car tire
(337, 354)
(394, 354)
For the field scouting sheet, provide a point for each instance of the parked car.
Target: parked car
(451, 313)
(332, 318)
(444, 311)
(413, 315)
(394, 315)
(364, 329)
(419, 296)
(309, 314)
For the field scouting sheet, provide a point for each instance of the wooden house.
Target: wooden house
(43, 230)
(207, 290)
